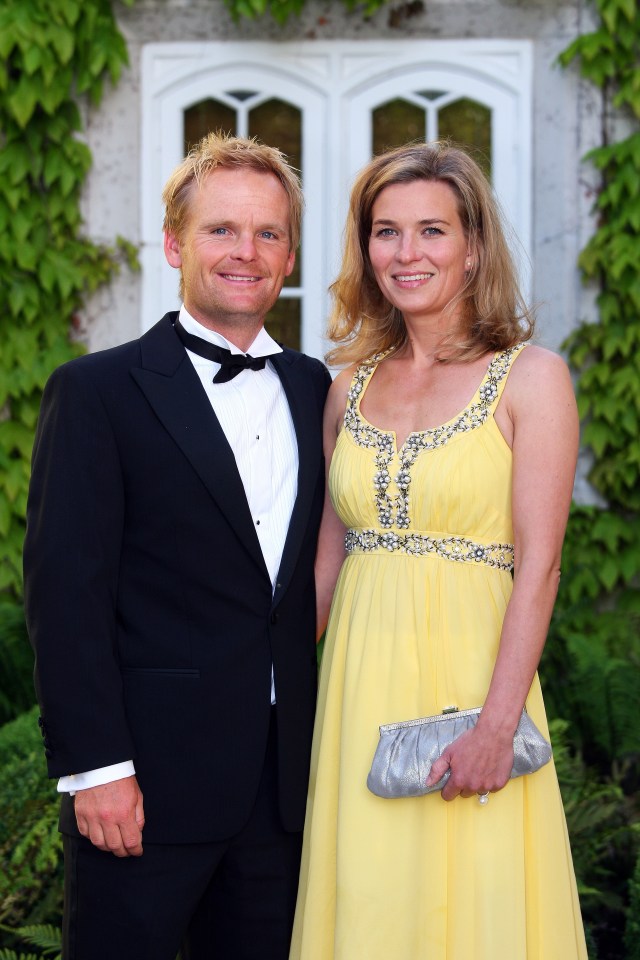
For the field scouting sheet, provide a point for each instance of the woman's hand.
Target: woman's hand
(479, 763)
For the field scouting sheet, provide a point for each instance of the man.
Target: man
(172, 523)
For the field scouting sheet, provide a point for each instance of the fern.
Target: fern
(591, 665)
(632, 932)
(12, 955)
(45, 936)
(604, 842)
(609, 695)
(30, 845)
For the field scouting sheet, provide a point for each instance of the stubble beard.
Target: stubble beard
(219, 315)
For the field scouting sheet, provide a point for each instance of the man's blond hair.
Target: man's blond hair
(220, 150)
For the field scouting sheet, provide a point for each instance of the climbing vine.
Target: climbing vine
(281, 10)
(604, 542)
(607, 355)
(591, 668)
(53, 54)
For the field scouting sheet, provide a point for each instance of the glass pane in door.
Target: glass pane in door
(283, 322)
(204, 117)
(279, 124)
(395, 123)
(468, 124)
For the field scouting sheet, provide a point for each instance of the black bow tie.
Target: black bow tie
(231, 364)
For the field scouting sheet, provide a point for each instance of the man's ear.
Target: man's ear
(291, 262)
(172, 250)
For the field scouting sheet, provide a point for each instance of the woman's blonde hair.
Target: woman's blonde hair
(493, 315)
(223, 150)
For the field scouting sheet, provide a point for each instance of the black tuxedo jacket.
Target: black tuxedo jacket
(148, 602)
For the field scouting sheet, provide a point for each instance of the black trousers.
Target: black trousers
(232, 900)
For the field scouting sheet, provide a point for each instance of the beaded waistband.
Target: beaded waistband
(498, 555)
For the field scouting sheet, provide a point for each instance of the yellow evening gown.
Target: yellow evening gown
(414, 627)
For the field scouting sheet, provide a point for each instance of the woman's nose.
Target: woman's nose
(407, 250)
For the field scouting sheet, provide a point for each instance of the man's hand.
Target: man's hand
(111, 816)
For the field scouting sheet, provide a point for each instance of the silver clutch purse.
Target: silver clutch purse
(406, 751)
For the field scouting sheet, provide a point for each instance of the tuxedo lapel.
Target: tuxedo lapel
(172, 388)
(304, 415)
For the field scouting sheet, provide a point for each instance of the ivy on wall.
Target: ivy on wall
(281, 10)
(53, 53)
(607, 354)
(591, 666)
(603, 543)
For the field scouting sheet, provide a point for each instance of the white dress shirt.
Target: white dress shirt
(254, 414)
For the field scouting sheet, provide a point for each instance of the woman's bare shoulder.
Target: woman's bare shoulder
(337, 397)
(538, 374)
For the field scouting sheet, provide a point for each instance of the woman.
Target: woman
(448, 429)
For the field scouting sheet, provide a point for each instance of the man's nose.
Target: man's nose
(245, 247)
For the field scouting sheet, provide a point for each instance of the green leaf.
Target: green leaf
(70, 10)
(8, 33)
(20, 226)
(5, 514)
(608, 572)
(63, 41)
(609, 14)
(26, 257)
(17, 298)
(46, 275)
(23, 100)
(32, 59)
(67, 275)
(629, 8)
(596, 435)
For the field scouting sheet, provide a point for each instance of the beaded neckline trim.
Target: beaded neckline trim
(396, 510)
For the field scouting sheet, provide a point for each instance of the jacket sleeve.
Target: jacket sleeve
(75, 516)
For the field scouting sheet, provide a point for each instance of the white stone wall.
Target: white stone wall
(566, 124)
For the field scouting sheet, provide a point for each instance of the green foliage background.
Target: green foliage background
(591, 668)
(55, 56)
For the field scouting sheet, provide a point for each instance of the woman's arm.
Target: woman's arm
(539, 417)
(330, 554)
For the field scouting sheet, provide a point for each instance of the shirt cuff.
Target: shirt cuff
(95, 778)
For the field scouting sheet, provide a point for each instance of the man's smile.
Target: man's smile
(242, 279)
